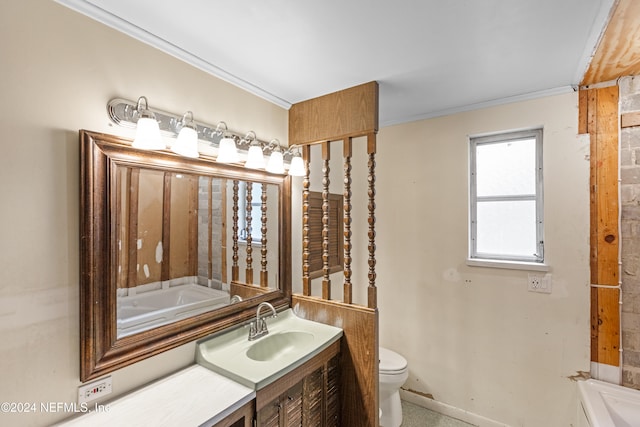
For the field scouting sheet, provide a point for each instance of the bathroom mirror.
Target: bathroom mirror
(173, 249)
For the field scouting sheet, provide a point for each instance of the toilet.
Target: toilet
(393, 373)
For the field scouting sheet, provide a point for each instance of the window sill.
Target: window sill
(513, 265)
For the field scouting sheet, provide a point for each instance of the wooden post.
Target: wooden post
(247, 219)
(598, 116)
(306, 280)
(372, 291)
(326, 281)
(347, 153)
(235, 269)
(264, 274)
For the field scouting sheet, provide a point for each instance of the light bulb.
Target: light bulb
(228, 153)
(255, 159)
(148, 134)
(187, 142)
(297, 167)
(275, 163)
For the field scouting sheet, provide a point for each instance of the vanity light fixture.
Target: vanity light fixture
(276, 161)
(297, 164)
(255, 157)
(187, 142)
(147, 129)
(227, 146)
(227, 151)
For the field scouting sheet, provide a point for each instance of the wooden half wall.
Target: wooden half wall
(598, 117)
(358, 355)
(342, 116)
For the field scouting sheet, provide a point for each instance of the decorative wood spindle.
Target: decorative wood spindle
(326, 281)
(347, 153)
(372, 291)
(235, 269)
(249, 268)
(264, 274)
(306, 280)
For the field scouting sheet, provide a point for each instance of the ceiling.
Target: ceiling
(430, 57)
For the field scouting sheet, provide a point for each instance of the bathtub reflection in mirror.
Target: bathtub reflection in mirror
(179, 237)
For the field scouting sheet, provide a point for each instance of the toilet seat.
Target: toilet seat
(391, 363)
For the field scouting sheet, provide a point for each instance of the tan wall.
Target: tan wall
(59, 70)
(475, 338)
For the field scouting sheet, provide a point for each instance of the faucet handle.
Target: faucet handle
(252, 327)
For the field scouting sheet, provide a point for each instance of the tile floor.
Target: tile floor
(417, 416)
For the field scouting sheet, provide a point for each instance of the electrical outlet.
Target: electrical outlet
(534, 282)
(539, 283)
(94, 390)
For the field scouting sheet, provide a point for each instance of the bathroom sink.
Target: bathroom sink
(277, 345)
(290, 343)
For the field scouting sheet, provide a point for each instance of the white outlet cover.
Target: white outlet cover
(539, 283)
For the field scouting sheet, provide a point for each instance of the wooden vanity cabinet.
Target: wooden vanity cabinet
(306, 397)
(242, 417)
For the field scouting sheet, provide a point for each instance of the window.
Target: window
(506, 209)
(255, 227)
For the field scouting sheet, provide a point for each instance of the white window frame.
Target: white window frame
(256, 213)
(535, 261)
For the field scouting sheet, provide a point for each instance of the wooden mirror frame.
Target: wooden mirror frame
(100, 349)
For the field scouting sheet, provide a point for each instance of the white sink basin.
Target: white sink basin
(277, 345)
(291, 342)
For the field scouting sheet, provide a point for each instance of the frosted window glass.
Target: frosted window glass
(506, 227)
(506, 168)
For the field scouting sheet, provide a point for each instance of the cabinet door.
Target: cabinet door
(332, 396)
(313, 400)
(241, 417)
(269, 416)
(293, 406)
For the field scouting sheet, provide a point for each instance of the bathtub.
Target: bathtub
(601, 404)
(147, 310)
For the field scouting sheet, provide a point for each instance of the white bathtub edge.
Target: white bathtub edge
(590, 397)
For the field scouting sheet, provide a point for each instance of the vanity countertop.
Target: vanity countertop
(194, 396)
(291, 342)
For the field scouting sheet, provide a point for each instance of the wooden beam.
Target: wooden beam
(350, 112)
(603, 128)
(618, 52)
(583, 104)
(598, 116)
(605, 326)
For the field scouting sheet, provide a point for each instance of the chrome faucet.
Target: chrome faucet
(235, 298)
(258, 327)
